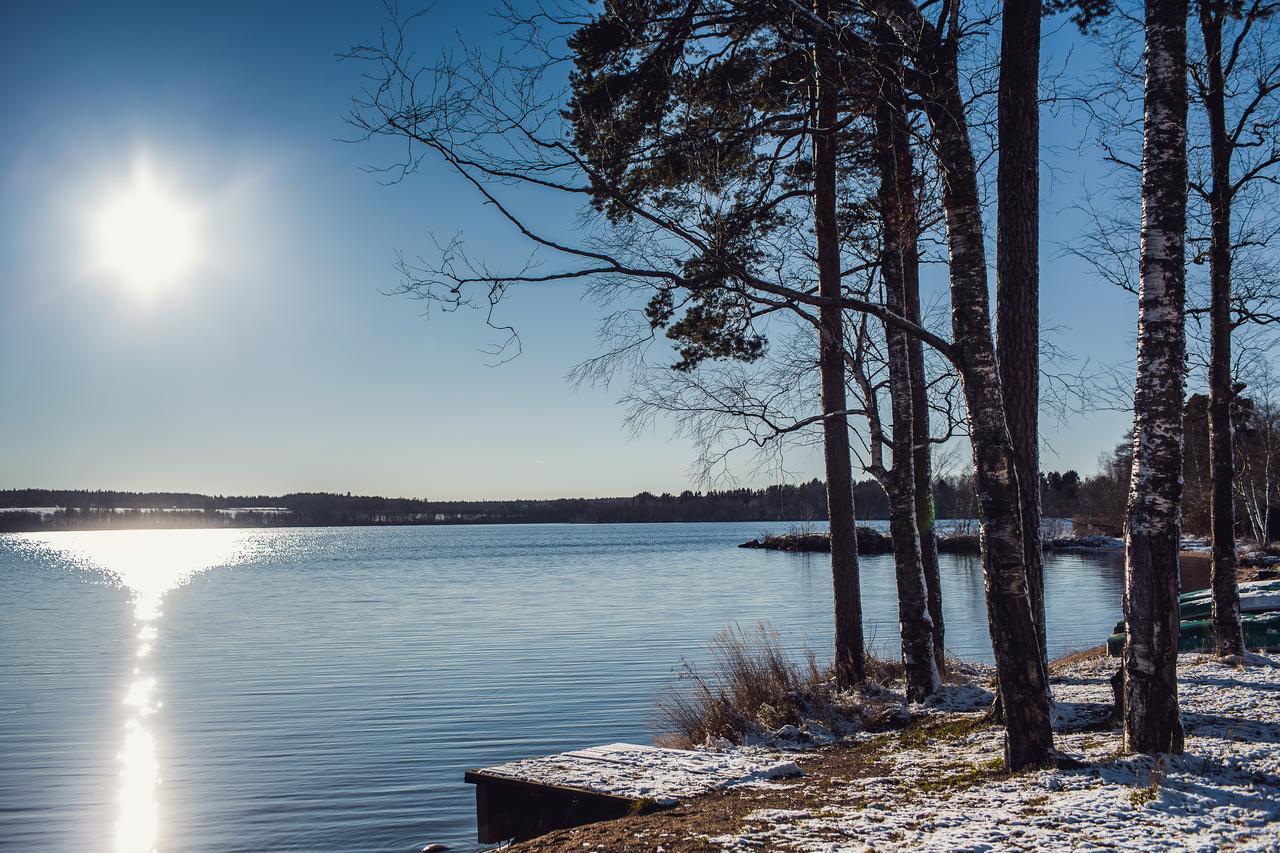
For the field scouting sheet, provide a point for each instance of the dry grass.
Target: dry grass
(754, 686)
(1071, 658)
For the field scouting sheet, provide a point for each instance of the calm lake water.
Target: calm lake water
(325, 689)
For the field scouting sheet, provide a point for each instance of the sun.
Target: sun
(144, 235)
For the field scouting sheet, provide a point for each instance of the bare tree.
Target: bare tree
(912, 227)
(1252, 134)
(1233, 153)
(898, 226)
(1258, 450)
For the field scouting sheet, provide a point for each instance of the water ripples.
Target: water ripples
(324, 689)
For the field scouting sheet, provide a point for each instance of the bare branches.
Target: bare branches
(497, 124)
(1251, 93)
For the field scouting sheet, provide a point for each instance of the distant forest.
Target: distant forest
(1095, 503)
(54, 509)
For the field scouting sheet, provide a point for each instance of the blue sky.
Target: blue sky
(278, 364)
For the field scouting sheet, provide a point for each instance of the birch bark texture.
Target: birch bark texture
(921, 448)
(1152, 530)
(1021, 674)
(915, 624)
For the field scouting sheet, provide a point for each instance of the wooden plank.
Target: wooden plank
(513, 809)
(632, 770)
(523, 799)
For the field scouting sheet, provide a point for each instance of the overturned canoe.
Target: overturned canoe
(1255, 597)
(1256, 600)
(1247, 589)
(1261, 631)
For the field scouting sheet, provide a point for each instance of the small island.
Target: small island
(872, 541)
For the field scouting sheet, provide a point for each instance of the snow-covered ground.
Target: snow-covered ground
(1224, 793)
(665, 776)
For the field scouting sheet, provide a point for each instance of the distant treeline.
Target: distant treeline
(1097, 502)
(53, 509)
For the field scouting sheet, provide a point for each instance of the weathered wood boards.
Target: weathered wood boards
(524, 799)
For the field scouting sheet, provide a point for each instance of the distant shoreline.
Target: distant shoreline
(28, 510)
(231, 524)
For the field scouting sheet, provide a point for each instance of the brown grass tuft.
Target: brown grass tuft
(753, 686)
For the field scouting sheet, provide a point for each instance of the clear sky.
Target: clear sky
(275, 362)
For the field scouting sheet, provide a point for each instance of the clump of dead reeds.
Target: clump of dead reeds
(753, 688)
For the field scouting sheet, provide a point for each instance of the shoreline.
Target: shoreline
(357, 524)
(937, 783)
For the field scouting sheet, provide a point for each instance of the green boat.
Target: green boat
(1260, 597)
(1259, 619)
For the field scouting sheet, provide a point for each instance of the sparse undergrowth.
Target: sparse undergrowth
(754, 691)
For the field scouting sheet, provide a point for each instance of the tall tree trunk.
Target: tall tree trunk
(1021, 675)
(1150, 661)
(850, 663)
(1222, 512)
(922, 454)
(1018, 271)
(914, 621)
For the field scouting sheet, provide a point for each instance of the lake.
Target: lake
(323, 689)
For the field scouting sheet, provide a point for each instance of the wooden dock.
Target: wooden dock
(524, 799)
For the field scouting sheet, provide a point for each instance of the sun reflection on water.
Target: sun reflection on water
(148, 563)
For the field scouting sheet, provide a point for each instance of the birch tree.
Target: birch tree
(1242, 148)
(1152, 531)
(898, 252)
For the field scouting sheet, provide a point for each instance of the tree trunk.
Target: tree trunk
(1150, 661)
(850, 663)
(922, 461)
(1222, 512)
(1018, 271)
(914, 622)
(1021, 675)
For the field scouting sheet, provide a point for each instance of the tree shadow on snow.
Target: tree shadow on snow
(1229, 728)
(1212, 681)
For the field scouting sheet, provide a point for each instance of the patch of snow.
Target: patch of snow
(1224, 792)
(960, 697)
(647, 772)
(1088, 543)
(1195, 543)
(42, 511)
(777, 814)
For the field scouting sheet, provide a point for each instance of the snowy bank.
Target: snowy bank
(938, 785)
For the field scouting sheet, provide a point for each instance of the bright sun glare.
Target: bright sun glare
(149, 563)
(144, 235)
